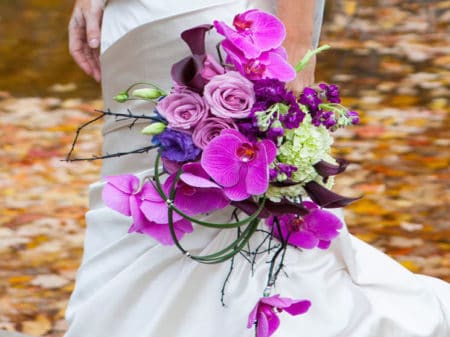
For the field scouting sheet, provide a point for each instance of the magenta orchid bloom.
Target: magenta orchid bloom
(270, 64)
(315, 229)
(241, 167)
(255, 32)
(265, 313)
(195, 192)
(145, 206)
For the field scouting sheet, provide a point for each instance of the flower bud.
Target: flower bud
(121, 97)
(154, 129)
(147, 93)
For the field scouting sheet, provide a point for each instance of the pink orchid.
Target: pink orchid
(241, 167)
(145, 206)
(315, 229)
(195, 192)
(265, 313)
(255, 32)
(270, 64)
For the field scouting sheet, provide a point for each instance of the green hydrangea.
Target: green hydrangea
(305, 146)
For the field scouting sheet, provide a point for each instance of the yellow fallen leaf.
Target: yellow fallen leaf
(38, 327)
(408, 264)
(14, 280)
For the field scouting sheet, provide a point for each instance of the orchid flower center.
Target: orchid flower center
(254, 67)
(296, 225)
(246, 152)
(241, 24)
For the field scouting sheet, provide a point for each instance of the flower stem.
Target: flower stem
(304, 62)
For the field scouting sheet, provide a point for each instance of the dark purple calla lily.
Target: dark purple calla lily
(188, 71)
(326, 169)
(249, 206)
(325, 198)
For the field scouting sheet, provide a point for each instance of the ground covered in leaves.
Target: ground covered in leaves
(392, 60)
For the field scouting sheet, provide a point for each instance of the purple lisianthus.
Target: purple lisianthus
(122, 194)
(316, 229)
(241, 167)
(210, 128)
(265, 313)
(177, 146)
(229, 95)
(183, 109)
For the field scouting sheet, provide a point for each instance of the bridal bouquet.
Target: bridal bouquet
(231, 133)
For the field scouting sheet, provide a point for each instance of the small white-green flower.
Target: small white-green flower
(303, 147)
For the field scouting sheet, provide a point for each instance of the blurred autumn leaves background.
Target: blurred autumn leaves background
(391, 59)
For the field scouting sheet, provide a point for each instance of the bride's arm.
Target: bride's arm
(298, 16)
(84, 35)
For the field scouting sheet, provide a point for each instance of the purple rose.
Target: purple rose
(230, 95)
(177, 146)
(210, 128)
(183, 109)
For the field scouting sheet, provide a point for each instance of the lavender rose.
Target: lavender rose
(229, 95)
(183, 109)
(209, 128)
(177, 146)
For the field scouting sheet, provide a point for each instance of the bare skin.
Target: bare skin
(298, 17)
(85, 26)
(84, 35)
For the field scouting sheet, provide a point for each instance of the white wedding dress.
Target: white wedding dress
(130, 286)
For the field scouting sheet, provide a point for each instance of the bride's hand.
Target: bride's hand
(306, 76)
(84, 35)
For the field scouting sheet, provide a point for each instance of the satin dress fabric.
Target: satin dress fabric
(130, 285)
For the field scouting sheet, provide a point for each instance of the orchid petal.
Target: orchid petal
(303, 239)
(268, 31)
(202, 201)
(197, 181)
(279, 68)
(323, 244)
(270, 148)
(238, 192)
(116, 199)
(238, 40)
(323, 223)
(258, 174)
(262, 326)
(127, 183)
(219, 160)
(161, 232)
(298, 307)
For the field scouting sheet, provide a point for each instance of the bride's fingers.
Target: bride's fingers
(93, 59)
(77, 41)
(93, 20)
